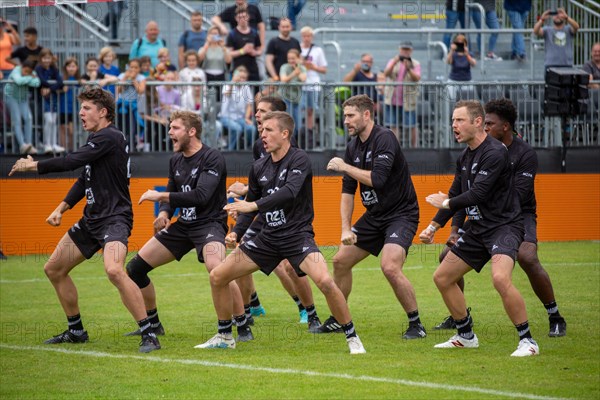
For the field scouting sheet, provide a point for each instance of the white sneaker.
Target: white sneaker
(493, 57)
(25, 148)
(58, 149)
(355, 345)
(527, 347)
(32, 151)
(219, 341)
(47, 149)
(459, 342)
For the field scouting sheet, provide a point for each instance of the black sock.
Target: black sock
(75, 324)
(153, 317)
(464, 327)
(298, 303)
(247, 311)
(240, 320)
(145, 325)
(349, 330)
(552, 309)
(413, 317)
(311, 311)
(254, 301)
(224, 326)
(523, 330)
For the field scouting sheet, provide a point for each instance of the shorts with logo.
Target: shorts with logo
(372, 235)
(477, 249)
(89, 238)
(530, 225)
(255, 227)
(267, 252)
(180, 238)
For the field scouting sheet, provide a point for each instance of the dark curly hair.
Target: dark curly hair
(504, 109)
(101, 98)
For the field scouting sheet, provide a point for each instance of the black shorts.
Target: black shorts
(179, 239)
(530, 225)
(255, 227)
(268, 253)
(90, 239)
(372, 235)
(477, 250)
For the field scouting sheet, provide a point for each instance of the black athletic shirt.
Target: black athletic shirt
(393, 193)
(197, 186)
(283, 192)
(104, 182)
(482, 187)
(258, 149)
(524, 164)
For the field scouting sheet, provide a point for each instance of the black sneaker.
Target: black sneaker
(68, 337)
(330, 326)
(250, 320)
(447, 323)
(244, 333)
(415, 331)
(314, 323)
(149, 343)
(158, 331)
(558, 327)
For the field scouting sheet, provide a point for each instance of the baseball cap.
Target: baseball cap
(406, 45)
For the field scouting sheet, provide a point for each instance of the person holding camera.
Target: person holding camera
(213, 58)
(558, 38)
(461, 62)
(401, 100)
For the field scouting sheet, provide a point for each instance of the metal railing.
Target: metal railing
(145, 123)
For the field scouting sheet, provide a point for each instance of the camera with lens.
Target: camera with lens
(460, 47)
(402, 58)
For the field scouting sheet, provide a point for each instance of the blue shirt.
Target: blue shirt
(461, 69)
(146, 49)
(191, 40)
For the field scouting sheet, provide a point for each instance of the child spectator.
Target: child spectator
(237, 109)
(293, 72)
(107, 56)
(164, 64)
(16, 96)
(128, 117)
(66, 103)
(169, 97)
(93, 75)
(192, 95)
(47, 72)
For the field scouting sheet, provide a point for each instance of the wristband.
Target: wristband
(446, 204)
(432, 228)
(241, 52)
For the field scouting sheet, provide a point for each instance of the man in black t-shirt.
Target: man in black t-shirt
(107, 217)
(278, 48)
(482, 187)
(31, 50)
(500, 116)
(244, 45)
(374, 160)
(280, 188)
(196, 186)
(255, 20)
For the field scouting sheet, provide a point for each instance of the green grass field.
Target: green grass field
(285, 361)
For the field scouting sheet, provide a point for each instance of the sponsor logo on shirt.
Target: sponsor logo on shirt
(92, 145)
(527, 174)
(383, 156)
(177, 173)
(482, 172)
(275, 218)
(393, 235)
(213, 172)
(297, 171)
(357, 160)
(263, 179)
(369, 197)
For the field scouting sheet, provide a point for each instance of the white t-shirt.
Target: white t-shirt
(315, 55)
(188, 100)
(234, 105)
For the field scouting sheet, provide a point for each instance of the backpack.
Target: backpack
(139, 44)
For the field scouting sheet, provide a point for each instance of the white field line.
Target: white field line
(282, 371)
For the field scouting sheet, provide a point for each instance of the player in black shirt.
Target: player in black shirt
(196, 186)
(297, 287)
(482, 187)
(107, 217)
(374, 160)
(500, 116)
(280, 188)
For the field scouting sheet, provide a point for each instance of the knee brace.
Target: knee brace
(138, 269)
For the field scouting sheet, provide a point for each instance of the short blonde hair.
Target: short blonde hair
(106, 51)
(163, 51)
(306, 29)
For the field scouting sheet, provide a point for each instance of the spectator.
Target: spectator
(191, 39)
(455, 12)
(16, 95)
(518, 11)
(558, 38)
(294, 9)
(164, 64)
(66, 103)
(278, 47)
(192, 97)
(47, 71)
(592, 66)
(400, 100)
(115, 9)
(213, 58)
(149, 45)
(229, 16)
(107, 56)
(128, 117)
(93, 74)
(313, 59)
(461, 63)
(237, 109)
(31, 51)
(8, 38)
(146, 67)
(362, 73)
(169, 97)
(292, 72)
(491, 21)
(244, 45)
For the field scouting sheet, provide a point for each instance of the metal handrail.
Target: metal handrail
(585, 8)
(81, 22)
